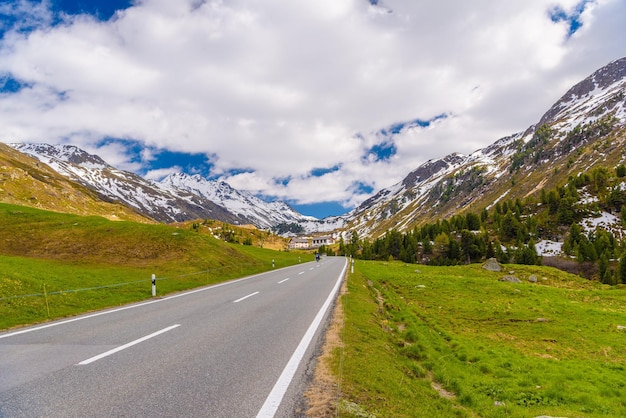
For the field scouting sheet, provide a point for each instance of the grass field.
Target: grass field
(54, 265)
(422, 341)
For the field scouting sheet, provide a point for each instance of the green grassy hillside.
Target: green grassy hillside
(55, 257)
(457, 341)
(26, 181)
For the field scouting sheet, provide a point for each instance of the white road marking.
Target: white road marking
(269, 408)
(246, 297)
(137, 305)
(283, 281)
(300, 273)
(125, 346)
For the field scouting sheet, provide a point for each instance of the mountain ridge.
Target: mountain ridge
(265, 215)
(178, 197)
(127, 188)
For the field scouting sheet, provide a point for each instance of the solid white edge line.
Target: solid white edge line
(246, 297)
(125, 346)
(275, 397)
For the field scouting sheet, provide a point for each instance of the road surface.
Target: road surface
(238, 349)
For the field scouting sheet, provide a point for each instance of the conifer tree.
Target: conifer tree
(621, 271)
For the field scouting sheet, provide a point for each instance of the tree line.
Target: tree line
(509, 231)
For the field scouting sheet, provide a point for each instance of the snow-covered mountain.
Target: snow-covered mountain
(179, 197)
(244, 204)
(601, 93)
(585, 128)
(122, 186)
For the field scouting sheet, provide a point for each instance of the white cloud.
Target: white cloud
(284, 87)
(27, 15)
(159, 174)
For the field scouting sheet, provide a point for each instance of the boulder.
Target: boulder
(492, 265)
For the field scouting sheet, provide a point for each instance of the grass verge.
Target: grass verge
(422, 341)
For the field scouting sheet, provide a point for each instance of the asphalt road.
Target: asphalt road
(239, 349)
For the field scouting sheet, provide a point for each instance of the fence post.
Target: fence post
(45, 293)
(153, 285)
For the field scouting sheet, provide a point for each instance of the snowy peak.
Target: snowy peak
(217, 191)
(62, 153)
(244, 204)
(601, 93)
(611, 73)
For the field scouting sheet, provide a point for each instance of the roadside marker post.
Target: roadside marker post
(153, 285)
(46, 297)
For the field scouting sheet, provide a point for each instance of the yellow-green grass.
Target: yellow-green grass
(424, 341)
(53, 265)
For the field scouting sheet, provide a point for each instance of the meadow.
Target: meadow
(53, 265)
(421, 341)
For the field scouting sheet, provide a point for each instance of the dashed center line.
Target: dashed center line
(246, 297)
(300, 273)
(125, 346)
(283, 281)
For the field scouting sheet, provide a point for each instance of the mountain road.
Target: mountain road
(236, 349)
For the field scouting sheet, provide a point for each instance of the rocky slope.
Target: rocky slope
(247, 206)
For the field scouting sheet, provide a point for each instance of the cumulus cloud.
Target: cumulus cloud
(270, 92)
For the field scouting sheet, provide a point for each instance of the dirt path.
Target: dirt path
(324, 392)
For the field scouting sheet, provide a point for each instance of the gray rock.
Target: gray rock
(492, 265)
(511, 279)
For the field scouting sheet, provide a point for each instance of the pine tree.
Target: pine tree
(621, 271)
(603, 267)
(490, 253)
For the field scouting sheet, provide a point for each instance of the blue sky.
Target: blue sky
(320, 104)
(572, 17)
(101, 9)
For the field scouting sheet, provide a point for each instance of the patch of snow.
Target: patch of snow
(498, 199)
(548, 248)
(587, 198)
(605, 221)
